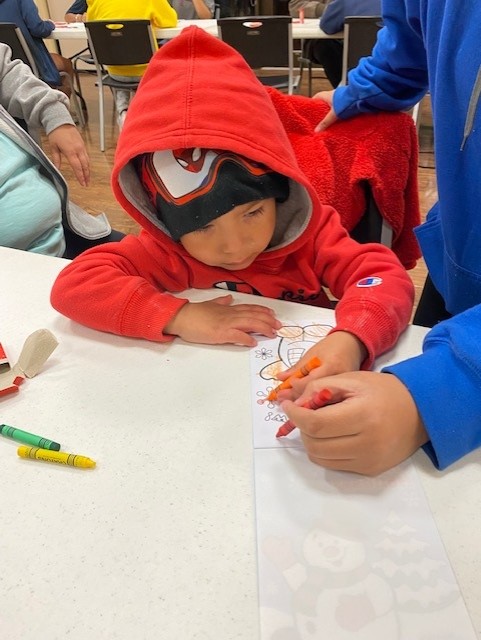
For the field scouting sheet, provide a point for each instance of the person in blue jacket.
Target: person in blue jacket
(77, 12)
(432, 400)
(24, 13)
(328, 51)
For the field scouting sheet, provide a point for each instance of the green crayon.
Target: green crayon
(28, 438)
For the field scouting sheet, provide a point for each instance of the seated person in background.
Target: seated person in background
(24, 14)
(193, 9)
(160, 14)
(231, 211)
(35, 213)
(77, 12)
(328, 51)
(312, 8)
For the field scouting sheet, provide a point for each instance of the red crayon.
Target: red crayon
(4, 363)
(318, 400)
(7, 390)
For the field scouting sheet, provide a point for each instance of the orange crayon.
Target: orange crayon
(318, 400)
(302, 372)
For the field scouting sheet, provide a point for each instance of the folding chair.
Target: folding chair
(83, 56)
(118, 43)
(11, 35)
(306, 62)
(360, 35)
(264, 42)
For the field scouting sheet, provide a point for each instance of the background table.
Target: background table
(159, 540)
(308, 30)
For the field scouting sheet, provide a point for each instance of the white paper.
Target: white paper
(341, 556)
(267, 360)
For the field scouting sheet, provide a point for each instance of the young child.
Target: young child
(205, 166)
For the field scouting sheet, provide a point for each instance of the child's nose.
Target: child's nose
(234, 243)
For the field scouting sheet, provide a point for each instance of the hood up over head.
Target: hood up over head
(199, 98)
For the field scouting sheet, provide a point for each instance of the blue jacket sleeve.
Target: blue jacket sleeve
(38, 28)
(332, 19)
(394, 77)
(78, 7)
(445, 382)
(336, 11)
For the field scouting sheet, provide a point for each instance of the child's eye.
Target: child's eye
(255, 212)
(203, 229)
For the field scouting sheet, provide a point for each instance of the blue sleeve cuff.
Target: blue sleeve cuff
(446, 391)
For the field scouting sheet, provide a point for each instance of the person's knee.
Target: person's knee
(318, 51)
(62, 64)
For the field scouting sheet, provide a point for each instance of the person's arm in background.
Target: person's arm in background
(312, 8)
(77, 12)
(394, 77)
(25, 96)
(332, 20)
(38, 28)
(204, 9)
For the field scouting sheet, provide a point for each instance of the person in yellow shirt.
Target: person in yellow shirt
(161, 15)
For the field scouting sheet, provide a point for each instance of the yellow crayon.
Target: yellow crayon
(59, 457)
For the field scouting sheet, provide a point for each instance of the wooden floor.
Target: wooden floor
(98, 196)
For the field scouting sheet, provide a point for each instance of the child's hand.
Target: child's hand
(339, 352)
(66, 141)
(217, 321)
(331, 117)
(370, 425)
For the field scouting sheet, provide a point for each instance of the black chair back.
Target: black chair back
(264, 41)
(11, 35)
(121, 42)
(360, 35)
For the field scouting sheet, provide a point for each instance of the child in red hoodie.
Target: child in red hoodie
(204, 165)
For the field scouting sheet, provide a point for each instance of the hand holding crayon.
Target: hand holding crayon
(302, 372)
(318, 400)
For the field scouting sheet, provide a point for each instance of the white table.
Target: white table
(158, 542)
(307, 30)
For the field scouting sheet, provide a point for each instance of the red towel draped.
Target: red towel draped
(381, 149)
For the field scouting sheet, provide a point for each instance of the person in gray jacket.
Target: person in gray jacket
(35, 212)
(312, 8)
(193, 9)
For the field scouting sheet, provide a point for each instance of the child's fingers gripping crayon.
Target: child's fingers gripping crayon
(318, 400)
(302, 372)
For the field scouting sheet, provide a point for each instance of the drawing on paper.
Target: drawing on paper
(293, 343)
(267, 361)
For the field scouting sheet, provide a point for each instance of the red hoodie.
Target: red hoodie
(199, 92)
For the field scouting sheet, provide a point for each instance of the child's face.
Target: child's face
(234, 240)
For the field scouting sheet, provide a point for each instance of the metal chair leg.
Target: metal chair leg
(101, 116)
(74, 98)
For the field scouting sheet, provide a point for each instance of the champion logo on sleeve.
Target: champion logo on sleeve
(372, 281)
